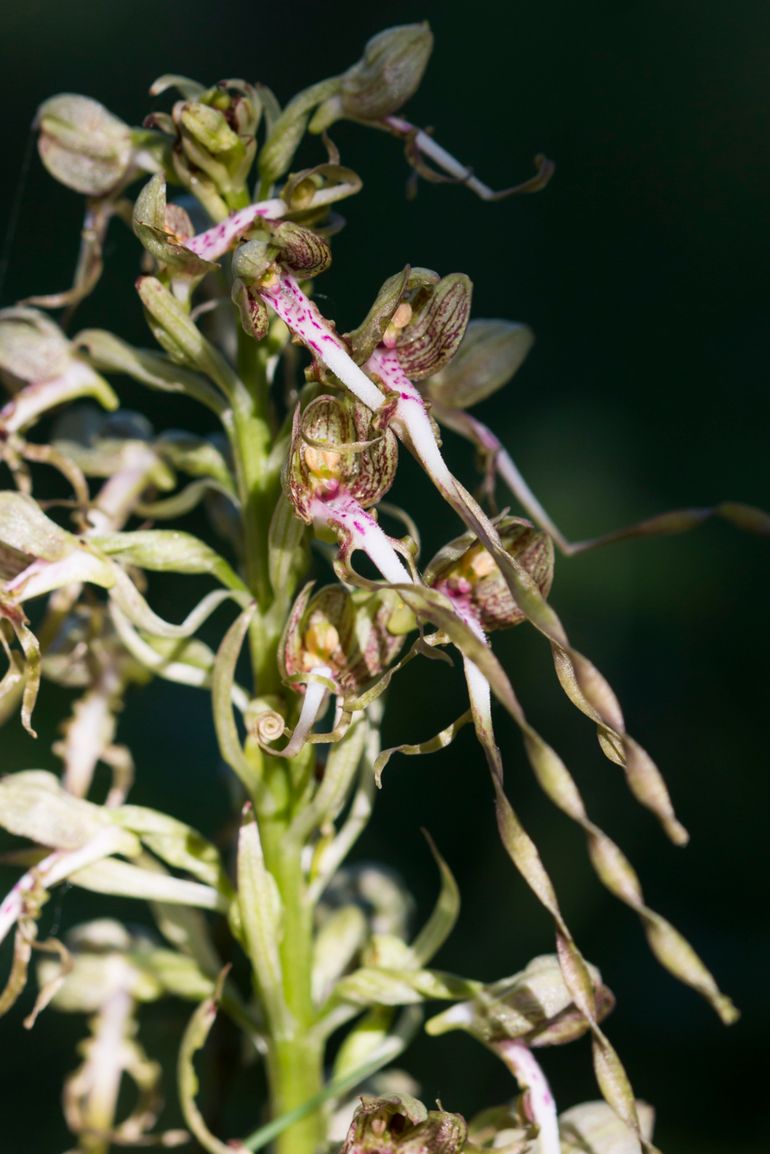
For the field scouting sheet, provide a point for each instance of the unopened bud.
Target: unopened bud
(534, 1007)
(317, 188)
(349, 633)
(163, 228)
(253, 259)
(241, 104)
(465, 569)
(82, 144)
(388, 74)
(215, 139)
(32, 347)
(399, 1123)
(336, 451)
(594, 1126)
(491, 352)
(207, 127)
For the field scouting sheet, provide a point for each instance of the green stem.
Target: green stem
(295, 1058)
(252, 435)
(295, 1051)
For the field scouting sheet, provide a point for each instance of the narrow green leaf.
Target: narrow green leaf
(123, 879)
(110, 354)
(193, 1040)
(168, 550)
(444, 916)
(287, 550)
(259, 909)
(178, 844)
(222, 683)
(34, 805)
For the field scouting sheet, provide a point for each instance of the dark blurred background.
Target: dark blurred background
(643, 270)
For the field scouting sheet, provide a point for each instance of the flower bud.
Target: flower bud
(596, 1128)
(82, 144)
(42, 369)
(252, 259)
(316, 188)
(501, 1128)
(32, 347)
(534, 1007)
(401, 1123)
(215, 131)
(336, 452)
(388, 74)
(491, 352)
(465, 570)
(205, 130)
(349, 633)
(163, 228)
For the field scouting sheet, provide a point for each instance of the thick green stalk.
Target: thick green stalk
(295, 1060)
(252, 435)
(295, 1055)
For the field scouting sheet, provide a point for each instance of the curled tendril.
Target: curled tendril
(268, 726)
